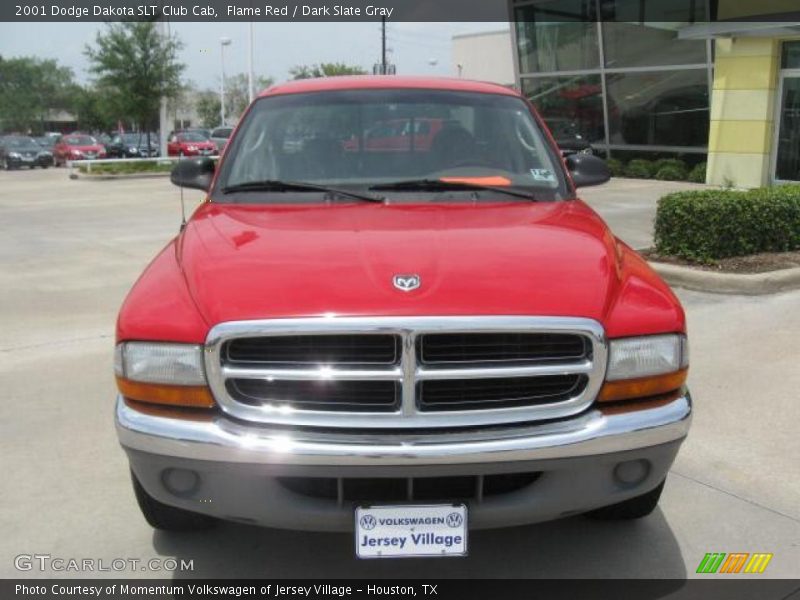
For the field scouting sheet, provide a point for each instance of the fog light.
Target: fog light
(632, 472)
(180, 482)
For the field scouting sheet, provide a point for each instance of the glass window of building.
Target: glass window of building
(660, 108)
(790, 55)
(572, 107)
(558, 35)
(649, 45)
(640, 33)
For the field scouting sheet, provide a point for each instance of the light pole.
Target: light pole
(223, 41)
(250, 85)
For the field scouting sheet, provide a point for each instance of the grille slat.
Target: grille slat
(380, 396)
(506, 347)
(476, 394)
(314, 350)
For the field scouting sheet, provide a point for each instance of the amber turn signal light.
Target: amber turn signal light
(173, 395)
(642, 387)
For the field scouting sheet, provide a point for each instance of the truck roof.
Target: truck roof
(361, 82)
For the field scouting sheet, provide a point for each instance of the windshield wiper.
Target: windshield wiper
(442, 185)
(276, 185)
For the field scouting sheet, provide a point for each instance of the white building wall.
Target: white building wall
(485, 56)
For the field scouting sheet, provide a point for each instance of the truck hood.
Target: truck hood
(271, 261)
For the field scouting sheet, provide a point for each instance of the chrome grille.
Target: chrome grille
(405, 372)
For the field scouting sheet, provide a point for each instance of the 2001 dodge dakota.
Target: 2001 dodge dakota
(392, 315)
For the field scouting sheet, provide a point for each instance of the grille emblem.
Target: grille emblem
(406, 283)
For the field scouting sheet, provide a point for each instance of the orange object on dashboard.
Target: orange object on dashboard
(491, 180)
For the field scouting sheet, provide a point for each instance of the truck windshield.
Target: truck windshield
(388, 139)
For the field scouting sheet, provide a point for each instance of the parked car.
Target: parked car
(46, 141)
(22, 151)
(77, 146)
(190, 143)
(132, 145)
(401, 345)
(220, 137)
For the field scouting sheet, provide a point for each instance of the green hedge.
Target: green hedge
(640, 169)
(670, 172)
(698, 173)
(704, 226)
(128, 168)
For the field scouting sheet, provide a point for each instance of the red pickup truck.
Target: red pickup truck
(406, 345)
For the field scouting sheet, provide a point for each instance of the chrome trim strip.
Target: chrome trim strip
(223, 440)
(583, 367)
(409, 371)
(318, 374)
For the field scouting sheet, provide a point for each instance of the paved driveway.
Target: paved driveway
(69, 250)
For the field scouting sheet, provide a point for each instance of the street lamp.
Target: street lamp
(223, 41)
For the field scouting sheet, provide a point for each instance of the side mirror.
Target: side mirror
(195, 173)
(587, 169)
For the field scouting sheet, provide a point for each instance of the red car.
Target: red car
(77, 146)
(403, 345)
(190, 143)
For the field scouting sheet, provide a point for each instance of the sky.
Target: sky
(278, 46)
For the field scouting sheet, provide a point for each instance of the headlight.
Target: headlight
(133, 149)
(14, 155)
(162, 373)
(192, 148)
(645, 366)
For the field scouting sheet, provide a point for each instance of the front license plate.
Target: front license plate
(413, 530)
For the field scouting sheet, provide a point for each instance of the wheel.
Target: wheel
(168, 518)
(635, 508)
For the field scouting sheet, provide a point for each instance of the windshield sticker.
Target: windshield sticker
(543, 175)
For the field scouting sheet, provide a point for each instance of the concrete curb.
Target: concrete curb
(751, 284)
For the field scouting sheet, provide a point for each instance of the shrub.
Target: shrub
(698, 173)
(616, 167)
(670, 162)
(640, 169)
(707, 225)
(671, 172)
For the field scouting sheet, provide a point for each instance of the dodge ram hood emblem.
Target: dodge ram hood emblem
(406, 283)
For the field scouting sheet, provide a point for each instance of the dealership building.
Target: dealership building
(714, 80)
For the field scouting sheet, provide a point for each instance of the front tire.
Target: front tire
(634, 508)
(168, 518)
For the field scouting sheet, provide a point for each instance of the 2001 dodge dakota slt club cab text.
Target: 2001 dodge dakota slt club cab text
(392, 315)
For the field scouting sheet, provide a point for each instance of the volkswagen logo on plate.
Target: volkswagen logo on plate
(454, 519)
(406, 283)
(368, 522)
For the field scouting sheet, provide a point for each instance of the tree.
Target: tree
(138, 67)
(96, 108)
(324, 70)
(29, 89)
(236, 99)
(207, 107)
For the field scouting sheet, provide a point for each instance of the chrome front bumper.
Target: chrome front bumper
(226, 441)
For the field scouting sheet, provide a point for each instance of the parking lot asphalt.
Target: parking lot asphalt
(70, 250)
